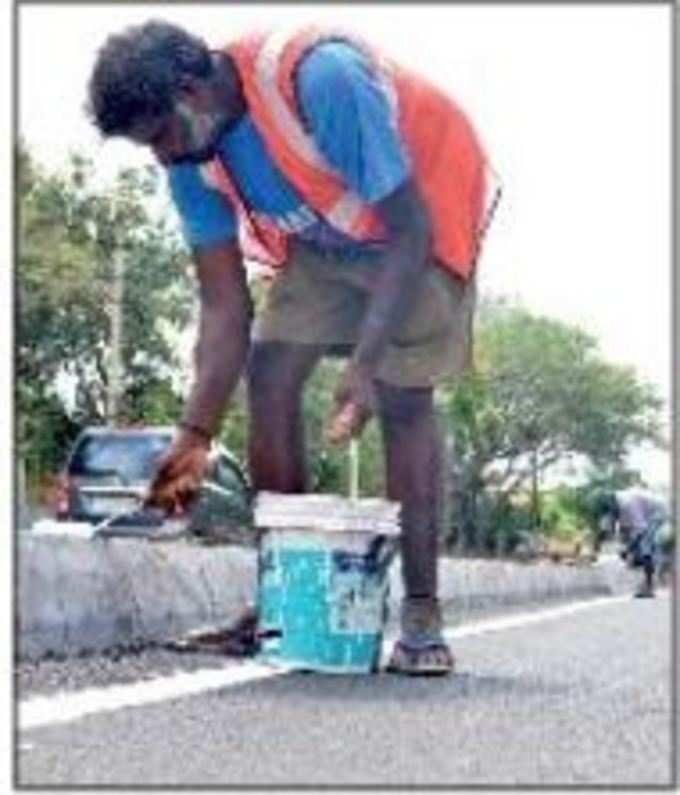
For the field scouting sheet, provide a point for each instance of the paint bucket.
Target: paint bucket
(323, 580)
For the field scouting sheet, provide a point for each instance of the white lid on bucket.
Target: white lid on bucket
(327, 512)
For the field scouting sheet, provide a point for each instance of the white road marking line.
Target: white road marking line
(65, 707)
(533, 617)
(514, 621)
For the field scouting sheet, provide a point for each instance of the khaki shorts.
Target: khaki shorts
(318, 299)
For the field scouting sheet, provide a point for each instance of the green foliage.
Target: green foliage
(69, 231)
(564, 514)
(615, 477)
(45, 434)
(501, 523)
(151, 401)
(539, 391)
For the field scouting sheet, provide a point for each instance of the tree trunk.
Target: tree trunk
(470, 522)
(449, 497)
(21, 511)
(535, 495)
(113, 397)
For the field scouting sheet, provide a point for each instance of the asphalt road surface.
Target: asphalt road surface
(573, 695)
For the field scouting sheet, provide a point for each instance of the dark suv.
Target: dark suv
(109, 470)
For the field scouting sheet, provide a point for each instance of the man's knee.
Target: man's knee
(276, 372)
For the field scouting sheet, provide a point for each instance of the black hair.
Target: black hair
(138, 73)
(606, 504)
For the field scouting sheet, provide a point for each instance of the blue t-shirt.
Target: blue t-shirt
(346, 112)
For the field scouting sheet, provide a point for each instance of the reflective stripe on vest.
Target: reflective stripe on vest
(259, 238)
(346, 211)
(448, 164)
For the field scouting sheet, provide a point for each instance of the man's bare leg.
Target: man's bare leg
(413, 462)
(277, 372)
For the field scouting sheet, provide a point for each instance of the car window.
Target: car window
(131, 457)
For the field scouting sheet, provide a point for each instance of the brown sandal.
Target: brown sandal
(421, 650)
(430, 660)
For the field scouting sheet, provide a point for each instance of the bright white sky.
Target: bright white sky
(572, 102)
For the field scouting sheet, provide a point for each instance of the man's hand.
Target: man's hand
(354, 403)
(179, 473)
(400, 275)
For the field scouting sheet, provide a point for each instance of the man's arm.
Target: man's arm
(404, 263)
(397, 287)
(223, 335)
(221, 352)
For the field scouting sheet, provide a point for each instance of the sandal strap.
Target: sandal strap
(423, 642)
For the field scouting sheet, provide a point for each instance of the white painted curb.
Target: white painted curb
(75, 595)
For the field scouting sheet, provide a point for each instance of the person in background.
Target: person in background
(366, 189)
(637, 516)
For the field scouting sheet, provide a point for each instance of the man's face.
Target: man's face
(187, 134)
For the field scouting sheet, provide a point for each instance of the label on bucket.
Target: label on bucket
(356, 595)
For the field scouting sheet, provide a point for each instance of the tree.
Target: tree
(69, 231)
(539, 391)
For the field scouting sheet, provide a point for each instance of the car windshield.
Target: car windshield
(132, 457)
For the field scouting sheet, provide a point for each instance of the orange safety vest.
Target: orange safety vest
(449, 166)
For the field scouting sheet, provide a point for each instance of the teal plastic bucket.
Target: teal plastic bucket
(323, 581)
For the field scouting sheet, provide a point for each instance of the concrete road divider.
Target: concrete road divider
(75, 595)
